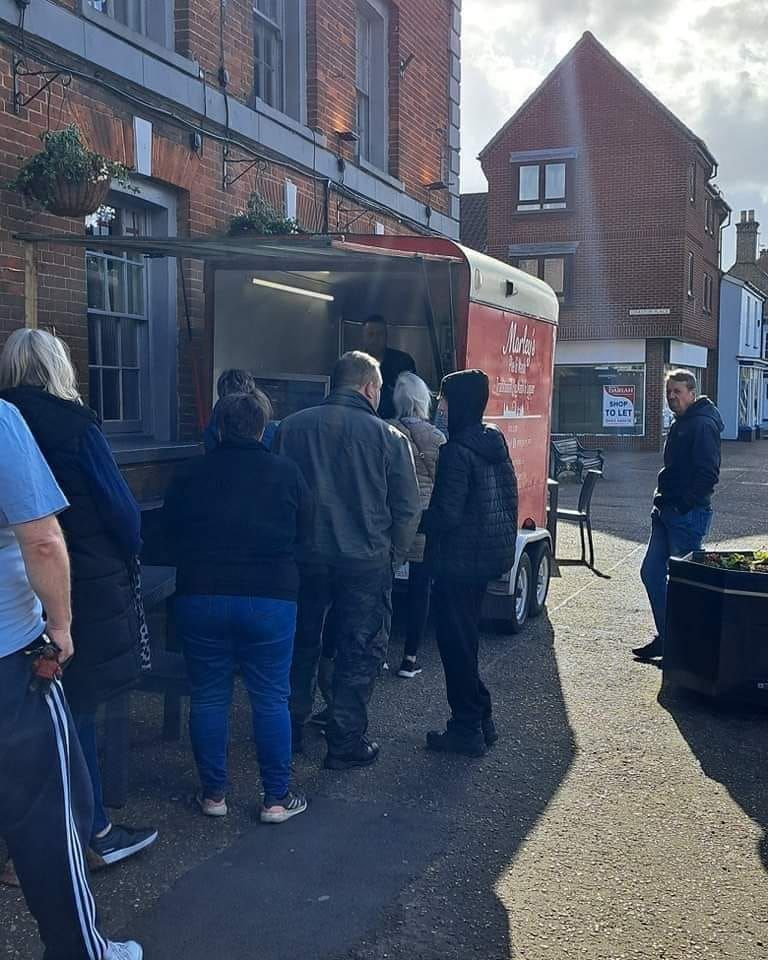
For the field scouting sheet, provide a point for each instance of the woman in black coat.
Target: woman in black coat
(102, 528)
(471, 528)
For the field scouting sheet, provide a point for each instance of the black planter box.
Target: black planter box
(717, 631)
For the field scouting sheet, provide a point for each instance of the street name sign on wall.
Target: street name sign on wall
(619, 405)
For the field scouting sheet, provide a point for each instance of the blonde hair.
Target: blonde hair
(35, 358)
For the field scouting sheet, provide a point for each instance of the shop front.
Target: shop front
(600, 388)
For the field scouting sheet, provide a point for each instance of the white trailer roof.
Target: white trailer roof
(501, 285)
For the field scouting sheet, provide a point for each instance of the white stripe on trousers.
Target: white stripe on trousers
(86, 907)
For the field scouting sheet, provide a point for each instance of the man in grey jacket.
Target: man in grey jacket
(367, 510)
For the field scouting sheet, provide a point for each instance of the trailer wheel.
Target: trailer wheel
(542, 575)
(522, 594)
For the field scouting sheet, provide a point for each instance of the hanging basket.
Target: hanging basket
(76, 198)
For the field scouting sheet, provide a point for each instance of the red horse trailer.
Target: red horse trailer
(287, 307)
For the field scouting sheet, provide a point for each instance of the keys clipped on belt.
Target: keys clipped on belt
(45, 663)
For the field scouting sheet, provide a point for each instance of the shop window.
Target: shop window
(607, 399)
(542, 186)
(278, 61)
(555, 270)
(131, 322)
(371, 82)
(152, 19)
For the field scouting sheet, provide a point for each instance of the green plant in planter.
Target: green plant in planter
(261, 218)
(66, 177)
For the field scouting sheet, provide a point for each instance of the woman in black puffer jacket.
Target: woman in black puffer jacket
(471, 528)
(103, 531)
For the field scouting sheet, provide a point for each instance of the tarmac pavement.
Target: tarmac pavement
(607, 823)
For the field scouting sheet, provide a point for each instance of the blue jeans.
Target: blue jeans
(85, 724)
(673, 534)
(218, 635)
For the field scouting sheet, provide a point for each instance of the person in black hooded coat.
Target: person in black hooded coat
(471, 528)
(103, 532)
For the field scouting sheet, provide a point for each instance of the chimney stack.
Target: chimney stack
(746, 237)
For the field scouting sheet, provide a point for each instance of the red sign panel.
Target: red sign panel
(517, 354)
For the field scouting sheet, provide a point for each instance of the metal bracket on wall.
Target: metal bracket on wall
(20, 71)
(227, 162)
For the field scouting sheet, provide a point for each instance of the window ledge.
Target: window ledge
(381, 174)
(142, 450)
(139, 40)
(567, 211)
(285, 119)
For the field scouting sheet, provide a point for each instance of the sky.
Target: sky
(707, 61)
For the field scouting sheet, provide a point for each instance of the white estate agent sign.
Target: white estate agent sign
(619, 405)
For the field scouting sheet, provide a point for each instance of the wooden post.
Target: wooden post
(30, 285)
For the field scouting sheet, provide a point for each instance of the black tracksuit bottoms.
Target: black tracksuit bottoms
(46, 812)
(457, 606)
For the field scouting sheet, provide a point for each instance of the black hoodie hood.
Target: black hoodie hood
(486, 440)
(704, 407)
(467, 394)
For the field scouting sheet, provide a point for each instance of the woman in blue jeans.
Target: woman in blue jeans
(235, 518)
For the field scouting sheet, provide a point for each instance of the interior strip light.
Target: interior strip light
(257, 281)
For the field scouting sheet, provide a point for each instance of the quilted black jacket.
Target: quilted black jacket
(471, 523)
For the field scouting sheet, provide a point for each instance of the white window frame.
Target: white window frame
(691, 276)
(372, 83)
(289, 27)
(158, 341)
(154, 23)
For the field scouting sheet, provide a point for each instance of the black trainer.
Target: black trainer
(280, 809)
(651, 650)
(468, 745)
(121, 843)
(366, 754)
(489, 732)
(321, 719)
(409, 668)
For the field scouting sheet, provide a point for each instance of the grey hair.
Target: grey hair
(684, 376)
(355, 369)
(35, 358)
(411, 397)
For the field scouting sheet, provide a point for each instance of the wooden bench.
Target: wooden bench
(569, 456)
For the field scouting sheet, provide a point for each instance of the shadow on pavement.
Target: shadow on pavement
(401, 860)
(732, 748)
(464, 906)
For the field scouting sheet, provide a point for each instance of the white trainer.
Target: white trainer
(130, 950)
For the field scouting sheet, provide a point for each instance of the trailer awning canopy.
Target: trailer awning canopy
(314, 252)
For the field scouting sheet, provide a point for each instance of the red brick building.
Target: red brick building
(342, 114)
(595, 186)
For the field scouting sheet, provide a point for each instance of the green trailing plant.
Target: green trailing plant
(66, 160)
(260, 217)
(754, 562)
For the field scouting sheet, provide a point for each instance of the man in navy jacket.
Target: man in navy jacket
(681, 515)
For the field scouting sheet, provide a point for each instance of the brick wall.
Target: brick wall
(629, 212)
(418, 118)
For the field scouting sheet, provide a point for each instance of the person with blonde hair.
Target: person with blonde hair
(103, 533)
(412, 401)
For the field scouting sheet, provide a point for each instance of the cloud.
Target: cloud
(708, 62)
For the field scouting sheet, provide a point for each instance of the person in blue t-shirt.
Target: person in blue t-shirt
(41, 765)
(103, 532)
